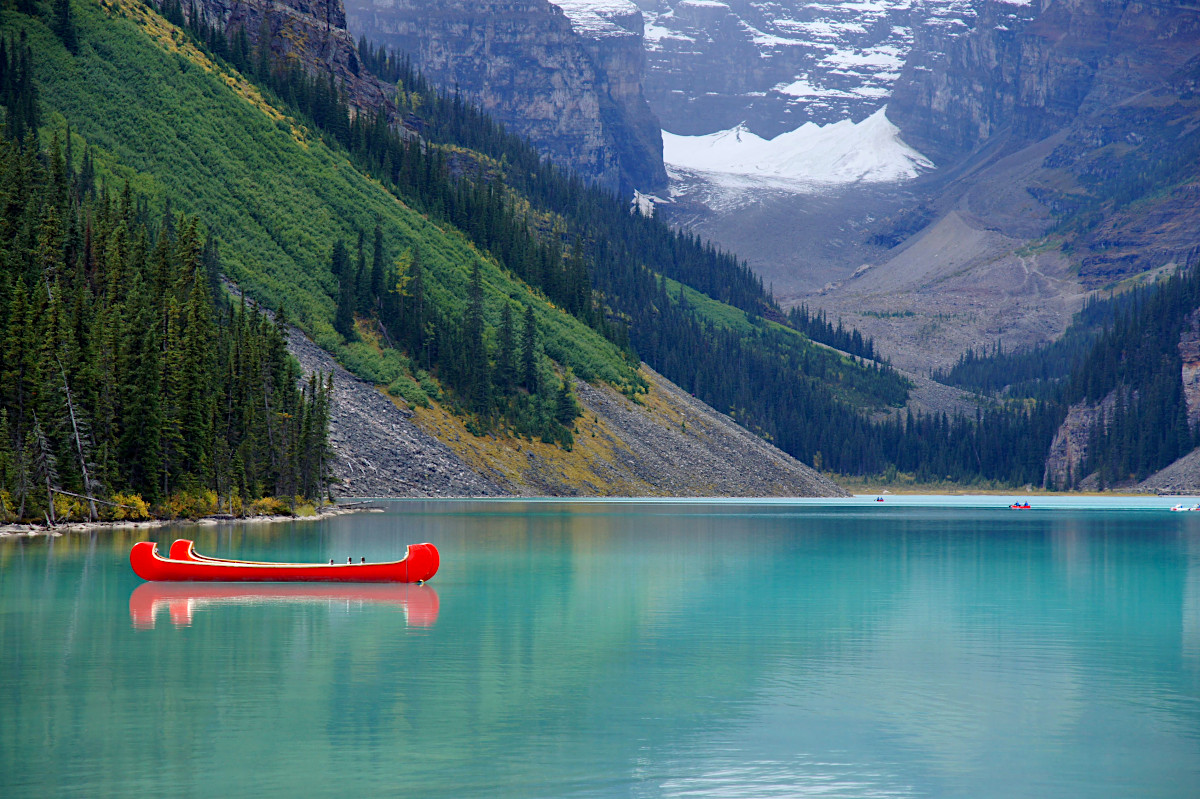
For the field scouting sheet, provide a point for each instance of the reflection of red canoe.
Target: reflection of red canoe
(419, 563)
(419, 602)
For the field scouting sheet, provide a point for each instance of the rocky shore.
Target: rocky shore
(33, 530)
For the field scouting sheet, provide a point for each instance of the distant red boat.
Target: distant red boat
(419, 564)
(1020, 506)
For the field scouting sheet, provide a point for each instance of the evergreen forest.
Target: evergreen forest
(129, 384)
(1120, 354)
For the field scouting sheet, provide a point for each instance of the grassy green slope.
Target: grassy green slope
(858, 386)
(275, 194)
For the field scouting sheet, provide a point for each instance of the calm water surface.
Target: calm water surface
(913, 648)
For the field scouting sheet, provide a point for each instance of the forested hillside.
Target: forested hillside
(446, 262)
(282, 233)
(123, 375)
(1122, 352)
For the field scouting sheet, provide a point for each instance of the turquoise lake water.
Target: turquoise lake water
(919, 647)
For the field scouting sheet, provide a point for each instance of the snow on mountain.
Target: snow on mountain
(794, 89)
(776, 64)
(599, 18)
(869, 151)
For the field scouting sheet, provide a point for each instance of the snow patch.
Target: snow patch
(878, 58)
(596, 18)
(803, 88)
(844, 152)
(644, 203)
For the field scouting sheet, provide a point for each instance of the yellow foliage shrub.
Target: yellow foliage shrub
(184, 505)
(130, 507)
(270, 506)
(69, 509)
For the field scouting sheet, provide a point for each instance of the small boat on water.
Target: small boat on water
(1185, 507)
(1020, 506)
(419, 564)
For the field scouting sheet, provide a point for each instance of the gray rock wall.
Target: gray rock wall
(579, 101)
(1033, 69)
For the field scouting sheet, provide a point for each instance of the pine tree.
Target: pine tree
(64, 25)
(8, 466)
(171, 440)
(529, 372)
(362, 280)
(339, 265)
(478, 387)
(43, 464)
(506, 356)
(196, 407)
(262, 51)
(377, 266)
(566, 409)
(140, 446)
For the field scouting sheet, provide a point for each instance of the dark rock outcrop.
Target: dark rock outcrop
(1189, 356)
(1031, 70)
(575, 94)
(1069, 449)
(309, 33)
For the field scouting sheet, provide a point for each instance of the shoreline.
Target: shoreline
(367, 506)
(36, 530)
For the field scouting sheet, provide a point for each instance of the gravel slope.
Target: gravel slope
(672, 445)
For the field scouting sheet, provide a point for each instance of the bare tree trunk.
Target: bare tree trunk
(50, 497)
(87, 480)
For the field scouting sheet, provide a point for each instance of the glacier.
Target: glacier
(840, 153)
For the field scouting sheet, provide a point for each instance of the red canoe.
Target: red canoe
(419, 563)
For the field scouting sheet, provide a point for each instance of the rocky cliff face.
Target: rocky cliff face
(576, 94)
(959, 83)
(1189, 355)
(311, 33)
(1034, 68)
(1069, 449)
(611, 35)
(1100, 97)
